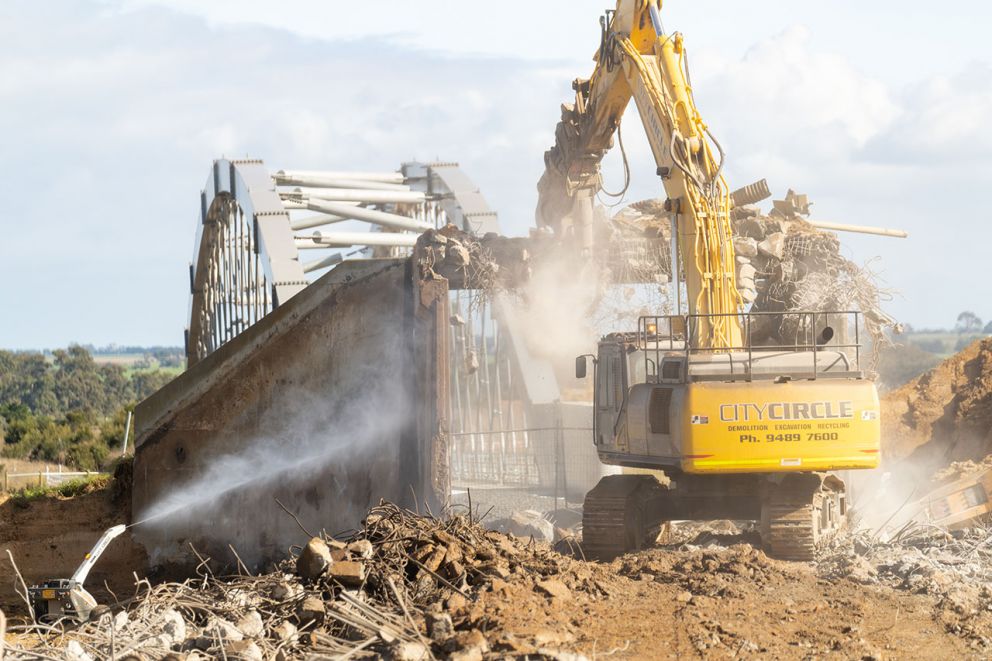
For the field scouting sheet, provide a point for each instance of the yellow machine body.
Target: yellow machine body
(959, 504)
(766, 427)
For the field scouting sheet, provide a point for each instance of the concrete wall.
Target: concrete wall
(321, 405)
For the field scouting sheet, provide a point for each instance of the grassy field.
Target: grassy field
(940, 343)
(137, 362)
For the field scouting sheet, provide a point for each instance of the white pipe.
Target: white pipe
(356, 195)
(344, 239)
(860, 229)
(388, 177)
(390, 220)
(127, 432)
(328, 182)
(314, 221)
(330, 260)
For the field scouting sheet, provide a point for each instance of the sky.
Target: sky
(113, 110)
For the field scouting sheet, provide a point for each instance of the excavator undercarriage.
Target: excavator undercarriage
(795, 511)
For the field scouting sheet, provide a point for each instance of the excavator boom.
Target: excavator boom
(636, 59)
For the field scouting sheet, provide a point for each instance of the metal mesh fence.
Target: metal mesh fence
(559, 461)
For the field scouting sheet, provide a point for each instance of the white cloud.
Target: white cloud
(112, 118)
(784, 104)
(945, 122)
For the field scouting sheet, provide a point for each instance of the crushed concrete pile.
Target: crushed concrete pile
(735, 602)
(783, 263)
(944, 415)
(405, 586)
(959, 469)
(953, 568)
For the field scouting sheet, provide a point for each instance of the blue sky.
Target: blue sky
(112, 111)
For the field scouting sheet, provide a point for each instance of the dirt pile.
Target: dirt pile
(944, 415)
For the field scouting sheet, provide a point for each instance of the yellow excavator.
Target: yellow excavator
(742, 430)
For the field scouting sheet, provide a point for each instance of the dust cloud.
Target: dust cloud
(304, 436)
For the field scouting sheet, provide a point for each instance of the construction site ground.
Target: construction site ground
(704, 595)
(913, 591)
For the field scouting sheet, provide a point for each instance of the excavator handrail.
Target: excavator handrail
(681, 338)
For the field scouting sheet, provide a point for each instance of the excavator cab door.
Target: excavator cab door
(611, 389)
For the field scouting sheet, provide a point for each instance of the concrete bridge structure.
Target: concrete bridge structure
(341, 351)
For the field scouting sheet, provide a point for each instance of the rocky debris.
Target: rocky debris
(404, 586)
(530, 524)
(959, 469)
(467, 261)
(783, 264)
(955, 569)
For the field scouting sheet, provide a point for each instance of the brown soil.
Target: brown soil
(944, 415)
(724, 603)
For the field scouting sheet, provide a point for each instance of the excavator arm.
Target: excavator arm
(636, 59)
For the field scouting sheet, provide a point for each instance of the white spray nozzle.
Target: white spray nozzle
(84, 569)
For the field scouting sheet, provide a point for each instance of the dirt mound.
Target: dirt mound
(944, 415)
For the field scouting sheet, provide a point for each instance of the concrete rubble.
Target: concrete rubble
(782, 263)
(403, 587)
(954, 567)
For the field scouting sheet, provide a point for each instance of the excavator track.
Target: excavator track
(617, 515)
(800, 513)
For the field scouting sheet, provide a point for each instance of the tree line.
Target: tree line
(67, 408)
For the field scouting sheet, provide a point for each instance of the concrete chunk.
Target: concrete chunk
(530, 523)
(348, 572)
(773, 245)
(410, 652)
(310, 609)
(286, 631)
(440, 626)
(246, 650)
(361, 548)
(314, 560)
(251, 625)
(745, 246)
(554, 589)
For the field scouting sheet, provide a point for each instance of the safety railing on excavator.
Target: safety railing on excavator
(812, 332)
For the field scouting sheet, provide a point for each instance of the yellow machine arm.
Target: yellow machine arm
(637, 59)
